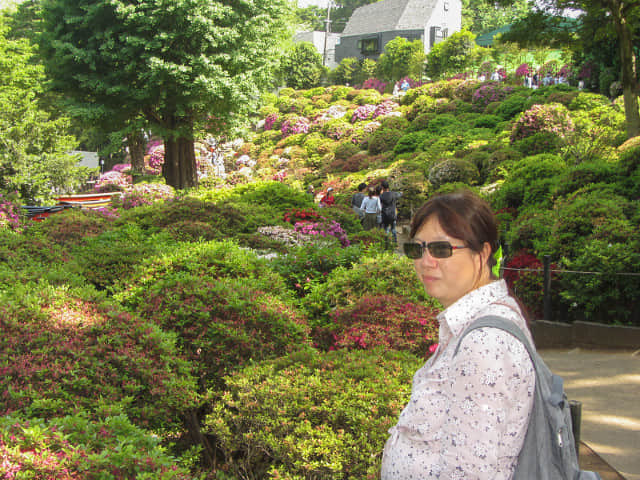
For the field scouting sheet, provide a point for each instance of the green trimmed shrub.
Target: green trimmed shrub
(223, 323)
(384, 140)
(68, 354)
(588, 101)
(523, 174)
(511, 106)
(311, 415)
(345, 287)
(410, 142)
(539, 143)
(453, 170)
(344, 150)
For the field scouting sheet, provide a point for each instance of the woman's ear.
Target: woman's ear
(485, 254)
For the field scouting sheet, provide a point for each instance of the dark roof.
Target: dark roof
(486, 39)
(390, 15)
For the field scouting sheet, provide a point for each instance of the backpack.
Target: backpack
(388, 202)
(549, 450)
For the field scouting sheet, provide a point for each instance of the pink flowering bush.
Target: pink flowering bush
(270, 121)
(523, 70)
(374, 84)
(154, 158)
(9, 214)
(76, 447)
(113, 181)
(144, 194)
(337, 129)
(551, 117)
(69, 354)
(325, 228)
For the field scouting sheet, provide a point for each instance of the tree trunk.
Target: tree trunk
(629, 72)
(179, 169)
(136, 143)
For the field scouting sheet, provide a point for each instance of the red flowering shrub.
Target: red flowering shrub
(296, 215)
(388, 321)
(62, 354)
(524, 275)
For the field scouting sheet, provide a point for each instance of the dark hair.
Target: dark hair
(362, 186)
(371, 192)
(385, 184)
(464, 215)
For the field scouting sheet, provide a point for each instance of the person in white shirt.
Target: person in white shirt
(468, 413)
(371, 207)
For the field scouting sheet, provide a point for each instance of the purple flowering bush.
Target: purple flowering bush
(154, 158)
(270, 121)
(489, 92)
(363, 112)
(324, 228)
(551, 117)
(295, 125)
(374, 84)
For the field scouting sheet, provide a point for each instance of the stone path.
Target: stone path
(607, 383)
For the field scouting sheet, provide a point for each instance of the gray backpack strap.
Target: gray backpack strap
(501, 323)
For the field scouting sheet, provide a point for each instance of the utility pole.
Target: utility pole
(327, 30)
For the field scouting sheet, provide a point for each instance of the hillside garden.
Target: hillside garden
(239, 331)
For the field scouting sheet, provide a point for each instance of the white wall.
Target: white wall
(446, 14)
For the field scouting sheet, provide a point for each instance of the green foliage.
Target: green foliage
(346, 71)
(34, 158)
(401, 58)
(525, 173)
(539, 143)
(552, 118)
(309, 265)
(344, 286)
(384, 140)
(455, 54)
(302, 66)
(311, 415)
(77, 446)
(410, 142)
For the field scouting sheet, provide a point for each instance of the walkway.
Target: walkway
(608, 385)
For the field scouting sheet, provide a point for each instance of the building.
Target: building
(372, 26)
(317, 38)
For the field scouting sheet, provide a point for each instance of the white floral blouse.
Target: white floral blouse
(467, 415)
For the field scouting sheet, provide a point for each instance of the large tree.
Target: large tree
(181, 63)
(623, 16)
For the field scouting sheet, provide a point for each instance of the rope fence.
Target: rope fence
(547, 271)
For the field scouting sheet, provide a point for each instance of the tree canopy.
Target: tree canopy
(33, 142)
(181, 63)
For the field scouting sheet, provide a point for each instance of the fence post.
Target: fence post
(575, 408)
(547, 287)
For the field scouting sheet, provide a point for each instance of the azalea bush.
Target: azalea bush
(388, 321)
(144, 194)
(68, 353)
(9, 214)
(78, 447)
(551, 118)
(311, 415)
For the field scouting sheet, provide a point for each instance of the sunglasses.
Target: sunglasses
(442, 249)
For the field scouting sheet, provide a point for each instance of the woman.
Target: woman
(371, 208)
(468, 413)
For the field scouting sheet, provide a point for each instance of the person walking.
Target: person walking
(388, 204)
(371, 207)
(356, 200)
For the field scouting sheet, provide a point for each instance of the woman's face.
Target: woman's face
(449, 279)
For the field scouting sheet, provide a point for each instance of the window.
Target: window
(369, 46)
(446, 6)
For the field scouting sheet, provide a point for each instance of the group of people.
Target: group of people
(377, 207)
(534, 80)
